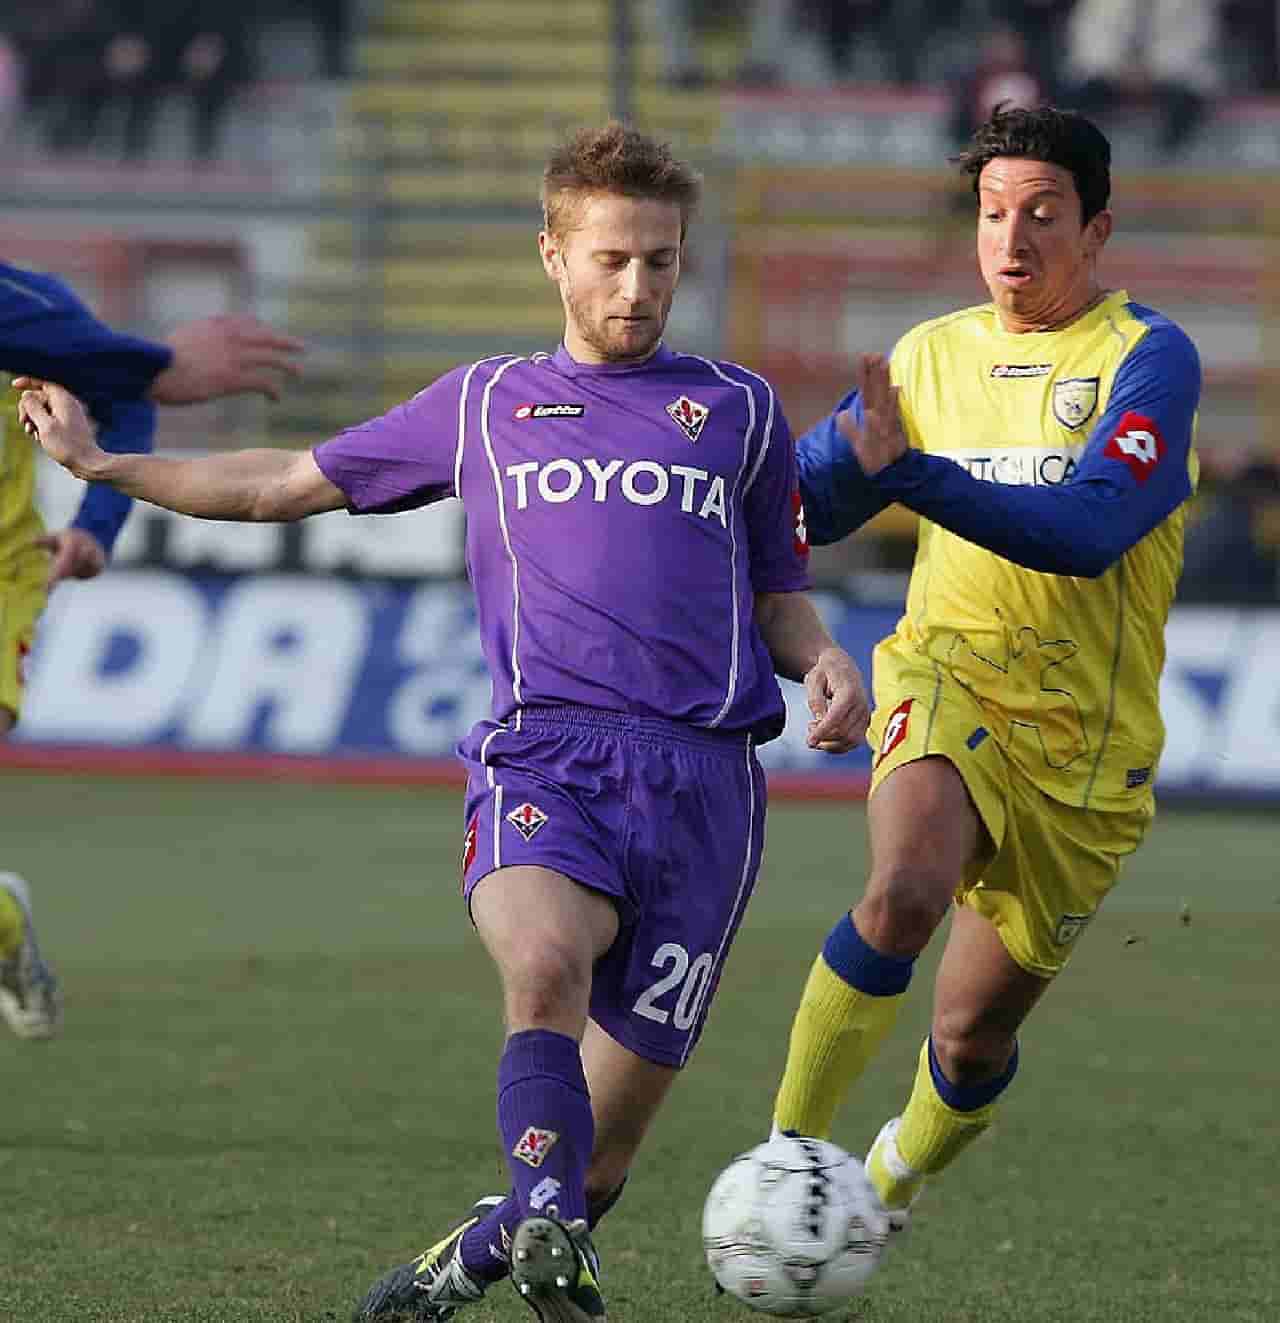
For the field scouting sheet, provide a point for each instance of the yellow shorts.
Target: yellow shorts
(1052, 863)
(23, 593)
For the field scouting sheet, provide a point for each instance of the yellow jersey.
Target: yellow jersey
(1051, 471)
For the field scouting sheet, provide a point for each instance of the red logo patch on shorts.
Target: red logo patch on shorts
(527, 819)
(469, 845)
(1137, 443)
(533, 1146)
(24, 651)
(895, 730)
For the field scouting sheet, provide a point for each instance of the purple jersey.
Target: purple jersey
(619, 520)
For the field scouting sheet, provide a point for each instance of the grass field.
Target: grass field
(276, 1076)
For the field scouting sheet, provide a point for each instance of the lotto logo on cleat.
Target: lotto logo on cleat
(533, 1146)
(688, 415)
(524, 412)
(527, 819)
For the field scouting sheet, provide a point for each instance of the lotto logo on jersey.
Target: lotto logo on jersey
(533, 1146)
(801, 528)
(524, 412)
(895, 730)
(1137, 443)
(688, 415)
(528, 820)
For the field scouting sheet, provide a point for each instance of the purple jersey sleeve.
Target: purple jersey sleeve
(774, 515)
(403, 459)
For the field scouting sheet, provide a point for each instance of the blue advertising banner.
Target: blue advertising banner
(305, 664)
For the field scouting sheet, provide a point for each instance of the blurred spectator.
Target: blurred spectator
(1005, 72)
(134, 53)
(1251, 29)
(1233, 539)
(1166, 50)
(1042, 26)
(900, 30)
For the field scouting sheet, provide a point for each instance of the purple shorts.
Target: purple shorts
(665, 818)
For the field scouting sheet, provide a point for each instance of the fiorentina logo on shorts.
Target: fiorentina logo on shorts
(527, 819)
(688, 415)
(533, 1146)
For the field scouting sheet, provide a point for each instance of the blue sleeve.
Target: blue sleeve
(125, 428)
(1132, 475)
(45, 331)
(838, 497)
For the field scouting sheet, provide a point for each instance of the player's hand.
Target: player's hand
(882, 438)
(838, 701)
(76, 554)
(58, 420)
(228, 355)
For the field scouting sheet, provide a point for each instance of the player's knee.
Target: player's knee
(901, 911)
(969, 1048)
(545, 979)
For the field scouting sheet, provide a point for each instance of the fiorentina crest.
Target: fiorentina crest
(527, 819)
(688, 415)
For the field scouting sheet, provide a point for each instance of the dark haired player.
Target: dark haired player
(1045, 439)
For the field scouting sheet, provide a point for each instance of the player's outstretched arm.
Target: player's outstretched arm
(227, 355)
(250, 485)
(802, 649)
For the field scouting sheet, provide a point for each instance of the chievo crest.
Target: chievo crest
(1074, 400)
(688, 415)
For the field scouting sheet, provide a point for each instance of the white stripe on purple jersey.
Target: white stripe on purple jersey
(619, 520)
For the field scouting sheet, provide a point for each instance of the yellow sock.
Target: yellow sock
(12, 925)
(930, 1136)
(836, 1031)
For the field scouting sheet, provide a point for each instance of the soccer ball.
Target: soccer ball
(793, 1228)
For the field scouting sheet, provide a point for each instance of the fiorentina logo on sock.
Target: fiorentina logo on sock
(533, 1146)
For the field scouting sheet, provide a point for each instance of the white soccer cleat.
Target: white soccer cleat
(887, 1170)
(30, 999)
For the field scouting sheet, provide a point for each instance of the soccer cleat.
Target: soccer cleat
(556, 1271)
(435, 1285)
(30, 999)
(896, 1184)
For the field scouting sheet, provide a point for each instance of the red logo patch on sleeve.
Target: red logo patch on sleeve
(1137, 443)
(801, 529)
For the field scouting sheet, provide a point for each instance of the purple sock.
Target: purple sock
(545, 1122)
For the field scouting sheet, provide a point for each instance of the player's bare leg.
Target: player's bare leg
(981, 997)
(544, 932)
(925, 836)
(30, 999)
